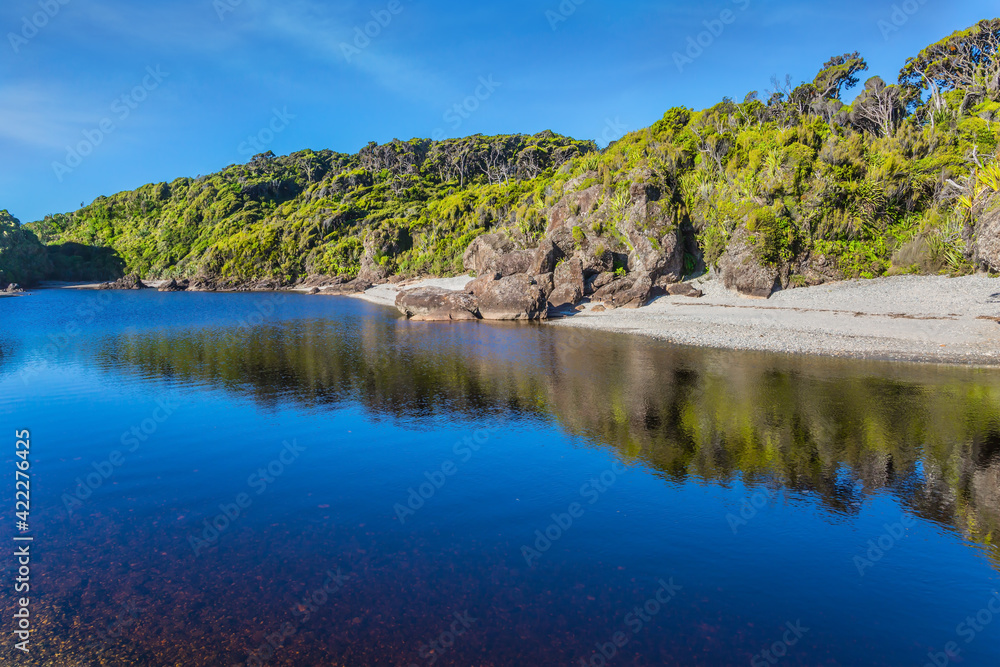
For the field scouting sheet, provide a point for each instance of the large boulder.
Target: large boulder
(484, 253)
(573, 205)
(632, 291)
(597, 281)
(545, 257)
(380, 246)
(547, 282)
(433, 304)
(477, 286)
(512, 298)
(654, 235)
(638, 295)
(355, 286)
(988, 240)
(569, 285)
(514, 262)
(174, 286)
(129, 282)
(743, 271)
(684, 289)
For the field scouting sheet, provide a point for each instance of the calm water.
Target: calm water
(389, 478)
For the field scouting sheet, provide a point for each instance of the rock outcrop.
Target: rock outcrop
(129, 282)
(174, 286)
(632, 291)
(355, 286)
(512, 298)
(379, 246)
(653, 233)
(684, 289)
(433, 304)
(569, 284)
(987, 243)
(484, 253)
(742, 270)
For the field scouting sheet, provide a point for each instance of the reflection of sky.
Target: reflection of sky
(790, 558)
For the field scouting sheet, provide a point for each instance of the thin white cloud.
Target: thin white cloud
(40, 117)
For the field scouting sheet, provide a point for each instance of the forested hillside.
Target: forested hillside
(904, 179)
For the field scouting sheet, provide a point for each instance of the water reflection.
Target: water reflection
(845, 445)
(838, 429)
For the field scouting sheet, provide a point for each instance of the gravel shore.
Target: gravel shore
(911, 318)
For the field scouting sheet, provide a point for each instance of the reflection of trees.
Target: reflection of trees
(929, 435)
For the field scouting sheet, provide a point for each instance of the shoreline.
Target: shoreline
(926, 319)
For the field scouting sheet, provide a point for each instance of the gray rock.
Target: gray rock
(173, 286)
(656, 242)
(742, 271)
(597, 281)
(987, 245)
(355, 286)
(433, 304)
(547, 282)
(513, 263)
(483, 254)
(512, 298)
(129, 282)
(478, 286)
(568, 279)
(379, 244)
(545, 257)
(684, 289)
(632, 291)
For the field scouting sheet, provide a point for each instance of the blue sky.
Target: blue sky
(160, 89)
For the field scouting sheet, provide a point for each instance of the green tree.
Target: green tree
(839, 73)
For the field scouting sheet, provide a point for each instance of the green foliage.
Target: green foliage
(23, 259)
(806, 174)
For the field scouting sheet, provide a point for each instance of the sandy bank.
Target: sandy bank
(913, 318)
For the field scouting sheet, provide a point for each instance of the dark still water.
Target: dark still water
(250, 479)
